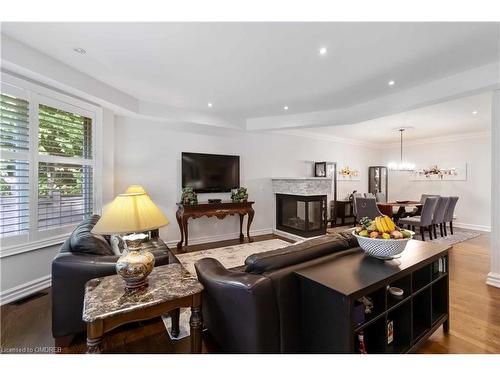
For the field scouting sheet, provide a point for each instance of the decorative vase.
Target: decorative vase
(135, 264)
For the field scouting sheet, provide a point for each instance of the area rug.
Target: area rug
(230, 256)
(459, 235)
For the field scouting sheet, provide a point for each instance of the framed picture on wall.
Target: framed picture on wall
(320, 169)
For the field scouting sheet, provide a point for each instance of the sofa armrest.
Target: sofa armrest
(239, 309)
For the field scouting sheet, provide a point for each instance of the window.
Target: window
(47, 164)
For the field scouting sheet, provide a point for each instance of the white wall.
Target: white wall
(473, 207)
(148, 153)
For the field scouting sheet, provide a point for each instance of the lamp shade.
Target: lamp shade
(129, 213)
(135, 189)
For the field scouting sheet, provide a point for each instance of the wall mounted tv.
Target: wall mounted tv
(209, 173)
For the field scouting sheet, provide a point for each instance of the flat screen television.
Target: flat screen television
(209, 173)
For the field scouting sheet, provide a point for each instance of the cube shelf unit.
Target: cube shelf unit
(422, 309)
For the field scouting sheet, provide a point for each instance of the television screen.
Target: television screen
(208, 173)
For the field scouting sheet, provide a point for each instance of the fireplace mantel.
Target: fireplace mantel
(305, 186)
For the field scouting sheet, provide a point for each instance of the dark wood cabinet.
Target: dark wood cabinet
(378, 180)
(342, 210)
(332, 319)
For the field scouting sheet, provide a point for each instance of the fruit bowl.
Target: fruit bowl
(382, 248)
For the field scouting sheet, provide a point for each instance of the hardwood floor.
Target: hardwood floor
(474, 306)
(474, 311)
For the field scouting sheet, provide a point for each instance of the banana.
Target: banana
(390, 224)
(386, 228)
(379, 223)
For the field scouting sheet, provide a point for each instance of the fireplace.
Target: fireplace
(302, 215)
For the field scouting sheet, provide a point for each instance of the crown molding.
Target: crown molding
(328, 138)
(383, 146)
(432, 140)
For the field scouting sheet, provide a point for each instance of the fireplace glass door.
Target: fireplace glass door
(301, 215)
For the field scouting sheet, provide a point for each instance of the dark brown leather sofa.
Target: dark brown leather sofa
(256, 309)
(82, 257)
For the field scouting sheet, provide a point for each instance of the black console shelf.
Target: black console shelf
(332, 318)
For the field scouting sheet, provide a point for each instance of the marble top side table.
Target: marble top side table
(107, 305)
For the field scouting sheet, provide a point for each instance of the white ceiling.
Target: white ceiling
(440, 120)
(254, 69)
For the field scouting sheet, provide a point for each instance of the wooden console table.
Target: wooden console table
(219, 210)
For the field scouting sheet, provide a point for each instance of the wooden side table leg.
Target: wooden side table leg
(179, 222)
(250, 218)
(94, 337)
(242, 237)
(195, 324)
(185, 226)
(174, 315)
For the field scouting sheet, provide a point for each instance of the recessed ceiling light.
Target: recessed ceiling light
(323, 51)
(391, 82)
(475, 112)
(285, 108)
(210, 105)
(80, 51)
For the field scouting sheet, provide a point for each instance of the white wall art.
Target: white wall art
(449, 171)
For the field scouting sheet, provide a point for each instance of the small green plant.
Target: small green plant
(239, 195)
(189, 196)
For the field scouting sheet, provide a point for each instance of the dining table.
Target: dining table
(387, 208)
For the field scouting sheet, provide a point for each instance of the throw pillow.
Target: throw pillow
(117, 244)
(83, 241)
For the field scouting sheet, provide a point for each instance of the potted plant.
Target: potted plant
(239, 195)
(189, 196)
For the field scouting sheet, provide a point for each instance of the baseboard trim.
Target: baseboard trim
(219, 237)
(493, 279)
(25, 290)
(482, 228)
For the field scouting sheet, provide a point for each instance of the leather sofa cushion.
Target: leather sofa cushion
(83, 241)
(302, 252)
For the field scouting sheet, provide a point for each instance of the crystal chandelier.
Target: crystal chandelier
(402, 165)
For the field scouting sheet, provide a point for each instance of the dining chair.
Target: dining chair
(366, 207)
(424, 221)
(448, 216)
(417, 211)
(381, 198)
(438, 217)
(369, 195)
(423, 197)
(354, 196)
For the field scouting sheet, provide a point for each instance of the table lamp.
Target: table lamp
(130, 214)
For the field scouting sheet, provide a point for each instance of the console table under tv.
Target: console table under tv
(219, 210)
(332, 318)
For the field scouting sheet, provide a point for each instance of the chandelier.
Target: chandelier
(402, 165)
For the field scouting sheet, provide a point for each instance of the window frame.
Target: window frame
(37, 94)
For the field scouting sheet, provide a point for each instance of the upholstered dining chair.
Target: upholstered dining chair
(448, 216)
(424, 221)
(417, 211)
(354, 196)
(366, 207)
(438, 217)
(369, 195)
(381, 198)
